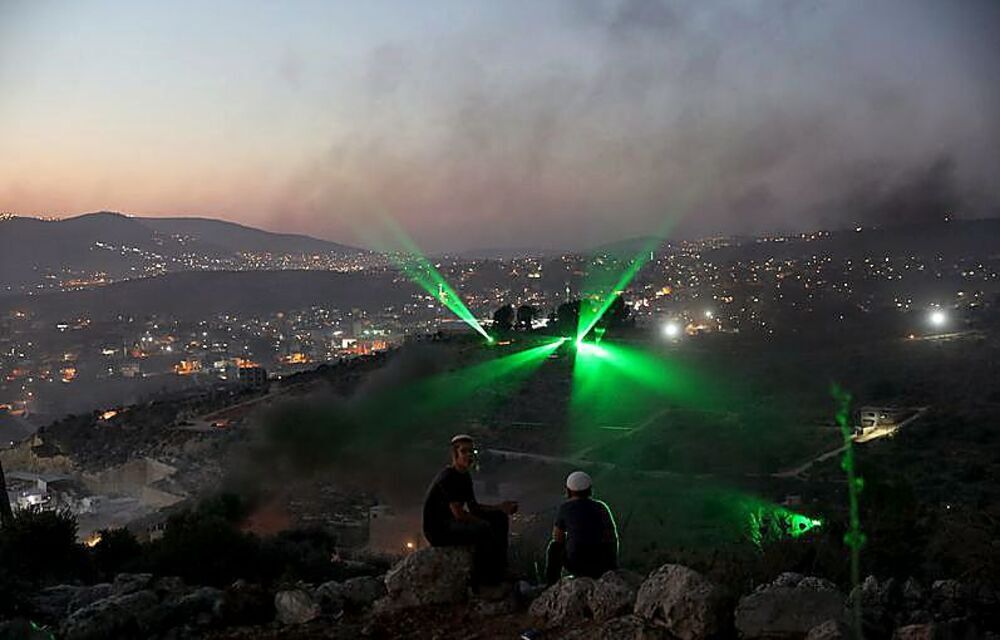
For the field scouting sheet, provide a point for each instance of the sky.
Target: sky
(483, 124)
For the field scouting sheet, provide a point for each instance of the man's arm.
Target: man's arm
(558, 535)
(507, 506)
(461, 513)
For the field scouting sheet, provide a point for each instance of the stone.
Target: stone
(295, 606)
(246, 604)
(779, 611)
(119, 616)
(614, 594)
(683, 601)
(565, 602)
(830, 630)
(126, 583)
(169, 586)
(914, 632)
(53, 603)
(434, 575)
(361, 592)
(330, 597)
(90, 595)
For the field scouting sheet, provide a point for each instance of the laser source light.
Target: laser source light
(671, 330)
(938, 318)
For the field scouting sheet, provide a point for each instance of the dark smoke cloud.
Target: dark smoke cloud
(574, 127)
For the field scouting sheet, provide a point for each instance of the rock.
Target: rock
(630, 627)
(330, 597)
(203, 605)
(362, 592)
(830, 630)
(614, 594)
(120, 616)
(90, 595)
(295, 606)
(435, 575)
(816, 584)
(779, 611)
(913, 594)
(495, 607)
(682, 600)
(914, 632)
(169, 586)
(52, 603)
(948, 599)
(246, 604)
(126, 583)
(565, 602)
(787, 579)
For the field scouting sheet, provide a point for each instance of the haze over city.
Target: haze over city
(465, 319)
(497, 125)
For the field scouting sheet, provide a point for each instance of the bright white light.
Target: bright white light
(709, 314)
(671, 330)
(938, 318)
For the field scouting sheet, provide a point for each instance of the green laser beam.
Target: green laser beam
(591, 313)
(408, 258)
(430, 396)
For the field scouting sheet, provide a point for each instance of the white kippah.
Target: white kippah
(578, 481)
(462, 437)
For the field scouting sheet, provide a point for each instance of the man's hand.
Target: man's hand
(508, 506)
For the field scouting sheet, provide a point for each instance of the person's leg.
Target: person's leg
(479, 536)
(554, 558)
(495, 554)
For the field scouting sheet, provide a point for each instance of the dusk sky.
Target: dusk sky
(542, 124)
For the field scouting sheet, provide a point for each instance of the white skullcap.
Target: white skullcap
(578, 481)
(462, 437)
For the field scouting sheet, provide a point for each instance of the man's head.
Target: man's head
(578, 485)
(463, 452)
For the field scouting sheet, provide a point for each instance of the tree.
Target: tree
(503, 318)
(617, 314)
(525, 314)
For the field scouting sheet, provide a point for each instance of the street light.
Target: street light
(938, 318)
(671, 330)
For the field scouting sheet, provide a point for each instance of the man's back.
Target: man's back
(448, 486)
(591, 536)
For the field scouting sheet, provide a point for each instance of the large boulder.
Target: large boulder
(246, 603)
(295, 606)
(781, 611)
(52, 603)
(565, 602)
(122, 616)
(614, 594)
(830, 630)
(435, 575)
(683, 601)
(362, 592)
(126, 583)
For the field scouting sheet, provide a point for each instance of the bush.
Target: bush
(118, 551)
(40, 547)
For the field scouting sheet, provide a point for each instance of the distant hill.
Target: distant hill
(122, 245)
(948, 239)
(198, 294)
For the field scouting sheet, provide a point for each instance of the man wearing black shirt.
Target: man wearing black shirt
(584, 538)
(452, 517)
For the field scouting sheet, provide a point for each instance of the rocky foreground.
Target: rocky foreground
(427, 595)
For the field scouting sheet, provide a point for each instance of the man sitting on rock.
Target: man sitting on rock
(452, 517)
(584, 538)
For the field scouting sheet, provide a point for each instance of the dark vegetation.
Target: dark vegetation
(204, 545)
